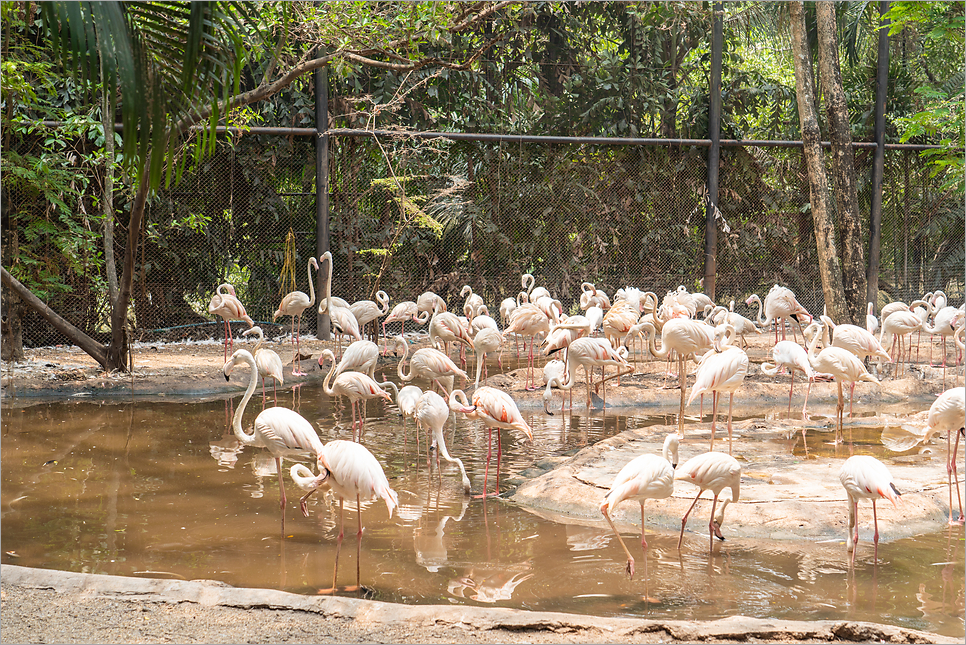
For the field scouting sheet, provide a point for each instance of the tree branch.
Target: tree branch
(97, 351)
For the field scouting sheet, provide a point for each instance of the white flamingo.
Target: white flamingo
(865, 477)
(642, 478)
(712, 471)
(225, 304)
(293, 304)
(269, 363)
(349, 470)
(432, 411)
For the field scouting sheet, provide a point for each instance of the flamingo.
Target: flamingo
(791, 355)
(406, 400)
(843, 366)
(482, 320)
(898, 324)
(642, 478)
(426, 304)
(341, 316)
(446, 327)
(591, 353)
(700, 300)
(865, 477)
(268, 363)
(741, 324)
(871, 322)
(685, 337)
(528, 320)
(355, 386)
(495, 409)
(293, 304)
(554, 373)
(722, 370)
(857, 340)
(473, 300)
(712, 471)
(432, 410)
(780, 304)
(225, 304)
(402, 312)
(944, 325)
(618, 321)
(360, 356)
(527, 281)
(428, 362)
(349, 470)
(590, 296)
(564, 333)
(366, 311)
(486, 341)
(948, 414)
(595, 318)
(282, 431)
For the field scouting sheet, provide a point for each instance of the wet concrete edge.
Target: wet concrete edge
(217, 594)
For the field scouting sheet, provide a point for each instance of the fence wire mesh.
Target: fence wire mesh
(410, 216)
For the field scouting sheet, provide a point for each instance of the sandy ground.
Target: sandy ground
(44, 606)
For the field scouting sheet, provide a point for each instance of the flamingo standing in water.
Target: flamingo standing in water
(843, 366)
(948, 414)
(349, 470)
(865, 477)
(402, 312)
(360, 356)
(643, 478)
(722, 370)
(432, 410)
(337, 309)
(712, 471)
(791, 355)
(282, 431)
(268, 362)
(293, 304)
(683, 336)
(430, 363)
(497, 410)
(486, 341)
(528, 320)
(225, 304)
(355, 386)
(446, 327)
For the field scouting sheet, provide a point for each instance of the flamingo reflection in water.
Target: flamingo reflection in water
(429, 537)
(490, 585)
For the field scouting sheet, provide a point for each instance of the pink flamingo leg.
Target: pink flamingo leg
(952, 474)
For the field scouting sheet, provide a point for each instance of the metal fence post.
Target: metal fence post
(878, 163)
(714, 155)
(322, 184)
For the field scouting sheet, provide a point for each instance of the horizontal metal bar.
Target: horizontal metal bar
(532, 138)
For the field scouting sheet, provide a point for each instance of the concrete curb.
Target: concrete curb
(216, 594)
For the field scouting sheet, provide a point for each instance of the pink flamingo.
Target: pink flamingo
(225, 304)
(866, 477)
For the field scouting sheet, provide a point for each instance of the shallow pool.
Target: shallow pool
(163, 489)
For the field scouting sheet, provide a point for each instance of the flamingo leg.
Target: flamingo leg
(684, 520)
(630, 559)
(499, 455)
(275, 390)
(643, 541)
(359, 544)
(714, 415)
(840, 408)
(875, 537)
(711, 526)
(684, 385)
(854, 525)
(731, 402)
(804, 407)
(281, 484)
(489, 452)
(952, 474)
(263, 392)
(790, 390)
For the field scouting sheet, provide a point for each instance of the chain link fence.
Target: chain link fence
(408, 216)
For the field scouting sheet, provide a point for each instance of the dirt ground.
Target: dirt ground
(48, 606)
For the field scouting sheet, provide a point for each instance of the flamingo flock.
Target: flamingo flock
(350, 470)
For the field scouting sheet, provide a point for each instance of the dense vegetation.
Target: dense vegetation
(408, 216)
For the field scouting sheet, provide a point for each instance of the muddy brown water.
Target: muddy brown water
(162, 489)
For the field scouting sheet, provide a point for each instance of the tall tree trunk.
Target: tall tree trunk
(829, 266)
(843, 166)
(117, 350)
(107, 121)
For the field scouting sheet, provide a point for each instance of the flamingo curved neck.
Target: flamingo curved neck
(399, 366)
(236, 421)
(308, 271)
(328, 389)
